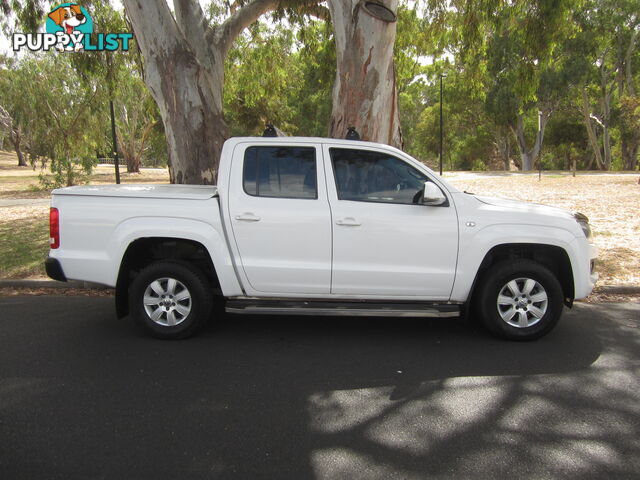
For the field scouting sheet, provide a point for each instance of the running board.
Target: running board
(333, 308)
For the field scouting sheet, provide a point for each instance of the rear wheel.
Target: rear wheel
(519, 300)
(170, 299)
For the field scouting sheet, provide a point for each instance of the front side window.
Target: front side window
(280, 172)
(366, 176)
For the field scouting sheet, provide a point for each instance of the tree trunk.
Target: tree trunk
(364, 93)
(507, 154)
(503, 146)
(630, 155)
(16, 139)
(184, 69)
(529, 156)
(190, 103)
(130, 158)
(133, 165)
(629, 142)
(591, 133)
(606, 91)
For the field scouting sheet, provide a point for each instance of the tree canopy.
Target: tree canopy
(526, 83)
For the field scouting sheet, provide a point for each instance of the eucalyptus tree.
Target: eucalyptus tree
(603, 57)
(514, 42)
(365, 92)
(184, 56)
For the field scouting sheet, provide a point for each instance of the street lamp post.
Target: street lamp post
(442, 75)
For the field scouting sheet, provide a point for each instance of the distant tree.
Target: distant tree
(136, 117)
(14, 132)
(526, 78)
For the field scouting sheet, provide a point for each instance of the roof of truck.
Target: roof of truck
(315, 140)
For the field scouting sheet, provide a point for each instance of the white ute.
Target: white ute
(321, 227)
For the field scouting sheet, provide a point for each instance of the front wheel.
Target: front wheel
(170, 299)
(519, 300)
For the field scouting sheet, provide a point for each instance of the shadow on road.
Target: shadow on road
(83, 394)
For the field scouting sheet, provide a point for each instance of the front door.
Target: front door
(385, 242)
(280, 218)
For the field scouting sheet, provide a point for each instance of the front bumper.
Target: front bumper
(54, 269)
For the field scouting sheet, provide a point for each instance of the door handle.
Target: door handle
(247, 217)
(348, 222)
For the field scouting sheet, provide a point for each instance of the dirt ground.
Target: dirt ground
(611, 201)
(22, 182)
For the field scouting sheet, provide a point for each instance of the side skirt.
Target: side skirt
(257, 306)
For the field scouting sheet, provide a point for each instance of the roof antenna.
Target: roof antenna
(352, 134)
(270, 131)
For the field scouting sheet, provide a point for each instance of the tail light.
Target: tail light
(54, 228)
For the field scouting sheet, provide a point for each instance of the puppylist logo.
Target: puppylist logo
(69, 28)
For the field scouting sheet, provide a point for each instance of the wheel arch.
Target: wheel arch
(553, 257)
(143, 251)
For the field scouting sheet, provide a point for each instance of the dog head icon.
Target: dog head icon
(68, 17)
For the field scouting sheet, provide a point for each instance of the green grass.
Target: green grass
(24, 245)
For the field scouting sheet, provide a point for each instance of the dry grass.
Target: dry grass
(24, 228)
(22, 182)
(611, 201)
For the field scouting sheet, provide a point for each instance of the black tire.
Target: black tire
(183, 308)
(528, 308)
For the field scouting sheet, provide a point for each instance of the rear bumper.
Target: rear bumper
(54, 269)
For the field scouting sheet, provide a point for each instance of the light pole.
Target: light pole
(442, 75)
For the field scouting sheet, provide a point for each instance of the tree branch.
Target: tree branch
(225, 34)
(193, 25)
(151, 21)
(317, 11)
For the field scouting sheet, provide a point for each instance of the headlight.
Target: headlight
(583, 221)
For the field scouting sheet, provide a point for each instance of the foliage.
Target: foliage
(504, 61)
(61, 103)
(293, 88)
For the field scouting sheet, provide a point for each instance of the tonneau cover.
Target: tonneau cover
(188, 192)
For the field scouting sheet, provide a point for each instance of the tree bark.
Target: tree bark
(529, 156)
(503, 147)
(15, 136)
(184, 70)
(364, 93)
(630, 155)
(606, 92)
(629, 140)
(591, 133)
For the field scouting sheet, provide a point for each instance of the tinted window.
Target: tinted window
(287, 172)
(367, 176)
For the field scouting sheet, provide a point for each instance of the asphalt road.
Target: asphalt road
(83, 395)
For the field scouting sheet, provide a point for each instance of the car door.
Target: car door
(280, 217)
(385, 242)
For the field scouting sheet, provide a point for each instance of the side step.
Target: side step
(347, 308)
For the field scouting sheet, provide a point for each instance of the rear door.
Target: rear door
(386, 243)
(280, 218)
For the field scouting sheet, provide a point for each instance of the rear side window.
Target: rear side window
(280, 172)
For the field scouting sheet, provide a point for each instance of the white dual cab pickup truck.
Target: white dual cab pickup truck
(321, 227)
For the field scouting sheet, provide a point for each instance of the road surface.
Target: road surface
(84, 395)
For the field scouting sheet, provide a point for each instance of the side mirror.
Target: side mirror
(433, 195)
